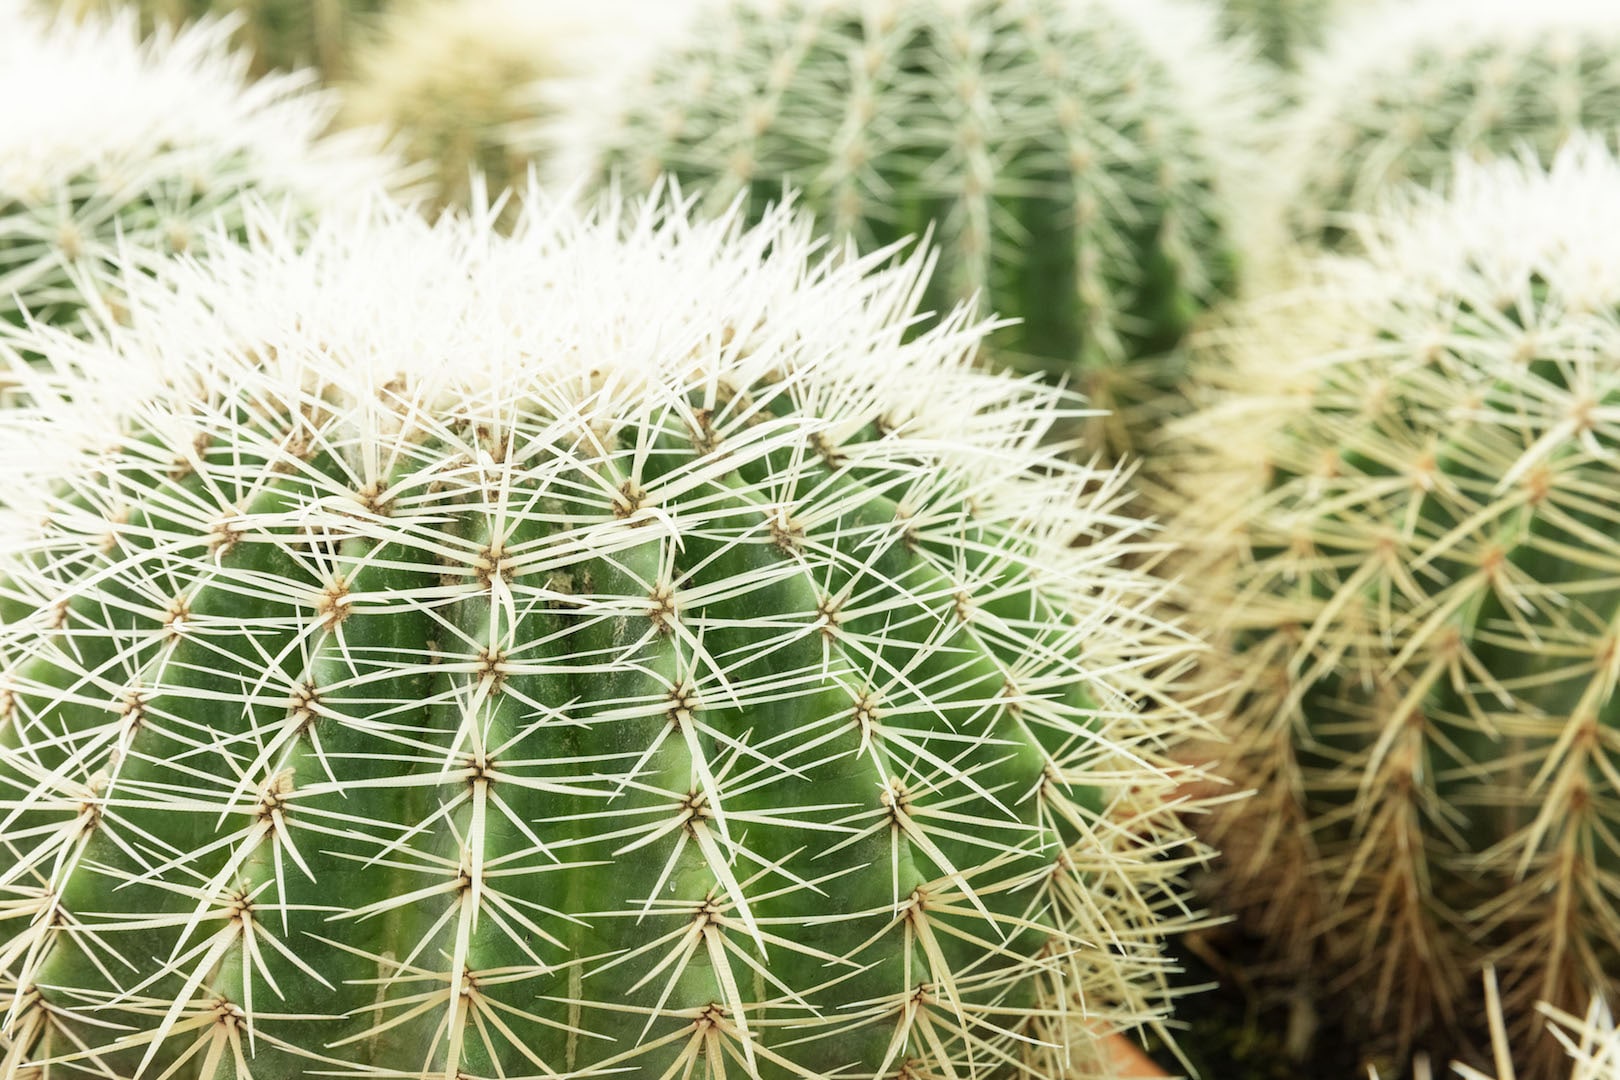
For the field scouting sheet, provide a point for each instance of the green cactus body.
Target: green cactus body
(1426, 607)
(1402, 93)
(1071, 169)
(574, 655)
(140, 148)
(284, 35)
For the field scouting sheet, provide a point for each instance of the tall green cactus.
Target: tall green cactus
(1415, 459)
(279, 34)
(1404, 91)
(1072, 158)
(611, 651)
(114, 145)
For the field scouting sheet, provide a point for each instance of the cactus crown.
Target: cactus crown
(1426, 601)
(1071, 159)
(143, 146)
(614, 649)
(1404, 90)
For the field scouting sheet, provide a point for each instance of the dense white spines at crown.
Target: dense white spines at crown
(1500, 228)
(618, 649)
(93, 94)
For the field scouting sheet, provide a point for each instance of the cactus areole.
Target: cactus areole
(615, 650)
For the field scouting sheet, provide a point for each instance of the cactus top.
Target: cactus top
(1073, 160)
(1430, 615)
(108, 139)
(1405, 88)
(619, 649)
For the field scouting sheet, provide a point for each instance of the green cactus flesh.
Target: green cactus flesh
(1064, 180)
(718, 728)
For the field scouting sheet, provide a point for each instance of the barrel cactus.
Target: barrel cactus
(141, 147)
(1414, 459)
(615, 650)
(279, 34)
(1407, 88)
(1074, 159)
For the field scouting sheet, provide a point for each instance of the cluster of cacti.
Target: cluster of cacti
(1073, 161)
(480, 638)
(140, 147)
(1401, 94)
(624, 649)
(1415, 464)
(280, 34)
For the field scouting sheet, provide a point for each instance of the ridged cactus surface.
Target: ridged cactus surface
(1074, 160)
(1414, 460)
(1411, 86)
(610, 651)
(143, 147)
(279, 34)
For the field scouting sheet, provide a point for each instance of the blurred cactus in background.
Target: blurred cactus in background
(1075, 161)
(1284, 28)
(117, 148)
(1403, 91)
(467, 84)
(1411, 462)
